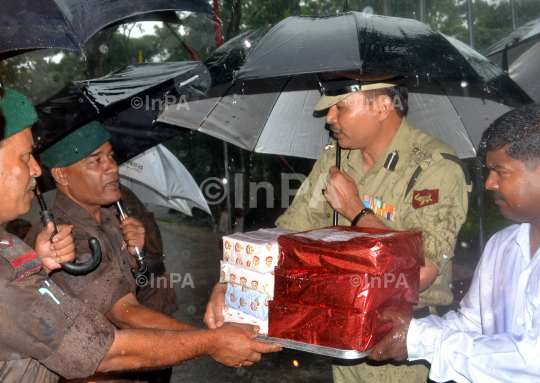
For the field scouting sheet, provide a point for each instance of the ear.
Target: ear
(385, 106)
(59, 175)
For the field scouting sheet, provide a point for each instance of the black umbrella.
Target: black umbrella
(69, 24)
(352, 41)
(127, 102)
(264, 82)
(518, 53)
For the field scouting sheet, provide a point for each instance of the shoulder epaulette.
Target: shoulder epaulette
(24, 260)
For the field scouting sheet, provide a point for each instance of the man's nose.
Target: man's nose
(112, 167)
(331, 116)
(35, 170)
(491, 182)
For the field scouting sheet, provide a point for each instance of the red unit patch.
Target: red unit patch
(425, 197)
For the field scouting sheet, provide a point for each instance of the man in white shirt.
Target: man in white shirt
(495, 335)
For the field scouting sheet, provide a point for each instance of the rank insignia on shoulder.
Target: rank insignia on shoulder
(425, 197)
(124, 245)
(6, 240)
(27, 273)
(329, 146)
(26, 265)
(379, 207)
(422, 156)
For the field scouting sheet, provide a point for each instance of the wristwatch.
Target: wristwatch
(360, 215)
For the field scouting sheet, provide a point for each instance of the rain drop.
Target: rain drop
(103, 48)
(191, 309)
(464, 84)
(247, 44)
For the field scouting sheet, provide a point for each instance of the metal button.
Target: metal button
(327, 215)
(363, 182)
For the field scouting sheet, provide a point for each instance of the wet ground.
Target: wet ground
(193, 251)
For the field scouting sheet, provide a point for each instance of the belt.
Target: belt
(421, 313)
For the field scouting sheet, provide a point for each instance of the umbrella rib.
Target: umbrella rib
(85, 95)
(272, 108)
(455, 110)
(214, 107)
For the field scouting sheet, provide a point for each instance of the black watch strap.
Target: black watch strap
(360, 215)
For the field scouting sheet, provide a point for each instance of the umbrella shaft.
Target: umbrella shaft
(338, 165)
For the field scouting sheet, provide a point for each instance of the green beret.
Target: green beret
(76, 146)
(18, 111)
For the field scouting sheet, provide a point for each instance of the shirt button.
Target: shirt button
(363, 183)
(519, 321)
(327, 215)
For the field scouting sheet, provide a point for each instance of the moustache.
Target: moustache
(498, 195)
(333, 128)
(32, 185)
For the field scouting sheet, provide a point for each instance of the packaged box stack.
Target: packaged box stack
(249, 260)
(331, 284)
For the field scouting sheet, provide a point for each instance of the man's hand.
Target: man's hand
(133, 232)
(213, 317)
(342, 193)
(393, 345)
(235, 347)
(62, 248)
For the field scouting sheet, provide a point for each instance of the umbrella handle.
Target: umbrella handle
(338, 165)
(86, 267)
(139, 256)
(70, 267)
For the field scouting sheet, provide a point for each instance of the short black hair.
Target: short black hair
(399, 95)
(518, 132)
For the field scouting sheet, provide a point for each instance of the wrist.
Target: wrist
(355, 207)
(365, 211)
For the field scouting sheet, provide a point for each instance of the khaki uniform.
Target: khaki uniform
(161, 298)
(112, 279)
(44, 331)
(426, 190)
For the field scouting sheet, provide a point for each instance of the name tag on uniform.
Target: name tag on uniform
(379, 207)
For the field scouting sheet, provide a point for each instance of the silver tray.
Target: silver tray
(314, 349)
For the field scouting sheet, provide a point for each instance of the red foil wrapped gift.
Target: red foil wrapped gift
(330, 327)
(354, 291)
(331, 284)
(351, 249)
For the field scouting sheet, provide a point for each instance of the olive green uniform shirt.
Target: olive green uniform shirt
(43, 331)
(111, 280)
(419, 208)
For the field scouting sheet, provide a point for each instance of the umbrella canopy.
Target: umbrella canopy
(158, 177)
(518, 53)
(260, 102)
(69, 24)
(127, 102)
